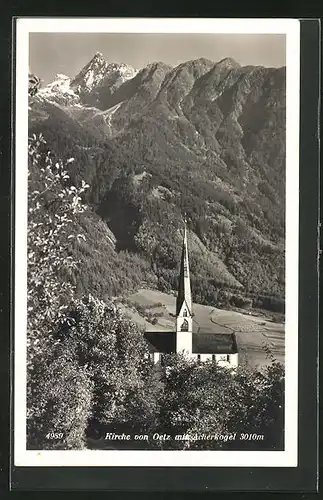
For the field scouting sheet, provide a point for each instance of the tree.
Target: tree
(209, 399)
(60, 398)
(113, 351)
(52, 211)
(58, 393)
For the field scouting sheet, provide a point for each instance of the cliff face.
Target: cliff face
(205, 138)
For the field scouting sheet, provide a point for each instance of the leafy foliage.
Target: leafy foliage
(60, 400)
(52, 209)
(58, 394)
(208, 399)
(114, 352)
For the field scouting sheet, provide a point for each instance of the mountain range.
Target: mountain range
(205, 138)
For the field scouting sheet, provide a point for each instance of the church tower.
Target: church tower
(184, 320)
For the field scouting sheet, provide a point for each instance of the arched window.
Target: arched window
(184, 327)
(184, 312)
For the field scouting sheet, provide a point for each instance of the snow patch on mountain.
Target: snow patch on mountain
(59, 91)
(109, 112)
(85, 90)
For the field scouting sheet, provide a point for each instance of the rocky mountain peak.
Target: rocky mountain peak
(61, 76)
(122, 69)
(91, 74)
(98, 55)
(97, 61)
(59, 91)
(59, 83)
(228, 63)
(97, 71)
(202, 61)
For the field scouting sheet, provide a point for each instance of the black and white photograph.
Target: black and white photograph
(156, 242)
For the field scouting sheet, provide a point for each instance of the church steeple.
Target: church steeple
(184, 288)
(184, 302)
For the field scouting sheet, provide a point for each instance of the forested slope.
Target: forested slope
(203, 138)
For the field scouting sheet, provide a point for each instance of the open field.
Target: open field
(253, 333)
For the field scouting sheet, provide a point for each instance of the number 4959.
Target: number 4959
(54, 435)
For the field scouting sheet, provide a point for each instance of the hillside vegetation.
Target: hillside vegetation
(203, 138)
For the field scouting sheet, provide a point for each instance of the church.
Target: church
(217, 347)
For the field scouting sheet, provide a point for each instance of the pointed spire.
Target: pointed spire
(184, 288)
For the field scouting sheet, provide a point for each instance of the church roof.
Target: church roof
(161, 341)
(202, 343)
(184, 285)
(214, 343)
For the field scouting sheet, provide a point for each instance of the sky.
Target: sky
(67, 53)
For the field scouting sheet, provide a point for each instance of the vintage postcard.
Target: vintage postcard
(156, 242)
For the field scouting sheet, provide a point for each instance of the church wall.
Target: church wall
(184, 343)
(205, 357)
(180, 320)
(227, 360)
(156, 357)
(234, 359)
(184, 338)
